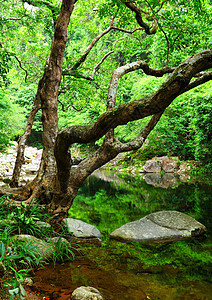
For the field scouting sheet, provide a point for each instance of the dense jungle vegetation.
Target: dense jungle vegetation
(63, 61)
(185, 128)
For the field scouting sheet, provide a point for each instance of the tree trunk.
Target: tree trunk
(22, 143)
(69, 181)
(48, 92)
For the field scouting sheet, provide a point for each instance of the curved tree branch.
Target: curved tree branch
(20, 65)
(203, 78)
(88, 49)
(134, 110)
(111, 97)
(69, 105)
(149, 30)
(97, 66)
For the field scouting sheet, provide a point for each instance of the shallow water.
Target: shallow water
(177, 270)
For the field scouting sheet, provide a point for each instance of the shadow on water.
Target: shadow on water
(177, 270)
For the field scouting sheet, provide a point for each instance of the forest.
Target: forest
(97, 79)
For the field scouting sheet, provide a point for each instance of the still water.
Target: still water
(177, 270)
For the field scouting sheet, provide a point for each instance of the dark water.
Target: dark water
(177, 270)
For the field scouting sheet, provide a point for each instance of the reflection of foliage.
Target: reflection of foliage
(134, 199)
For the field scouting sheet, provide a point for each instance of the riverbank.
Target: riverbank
(167, 271)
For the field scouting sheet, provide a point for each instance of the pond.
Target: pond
(176, 270)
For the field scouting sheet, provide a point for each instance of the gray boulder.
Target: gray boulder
(42, 248)
(159, 227)
(169, 164)
(165, 163)
(81, 229)
(86, 293)
(152, 166)
(185, 167)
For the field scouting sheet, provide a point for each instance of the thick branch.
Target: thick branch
(134, 110)
(133, 7)
(141, 108)
(205, 77)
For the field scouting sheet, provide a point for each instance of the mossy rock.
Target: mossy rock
(42, 249)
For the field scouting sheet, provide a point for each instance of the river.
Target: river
(176, 270)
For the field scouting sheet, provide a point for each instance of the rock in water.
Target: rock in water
(159, 227)
(81, 229)
(86, 293)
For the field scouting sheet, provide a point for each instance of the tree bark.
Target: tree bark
(48, 93)
(22, 143)
(69, 181)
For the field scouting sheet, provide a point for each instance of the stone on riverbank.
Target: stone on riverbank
(81, 229)
(166, 164)
(42, 248)
(159, 227)
(86, 293)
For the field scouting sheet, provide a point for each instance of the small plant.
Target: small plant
(14, 286)
(23, 219)
(63, 250)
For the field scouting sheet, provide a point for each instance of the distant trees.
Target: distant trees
(152, 37)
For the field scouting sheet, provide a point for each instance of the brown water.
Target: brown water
(58, 282)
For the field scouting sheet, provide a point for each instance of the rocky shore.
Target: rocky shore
(32, 158)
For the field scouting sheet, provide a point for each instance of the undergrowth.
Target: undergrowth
(19, 257)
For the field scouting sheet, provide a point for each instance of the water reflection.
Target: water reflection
(115, 199)
(164, 181)
(177, 270)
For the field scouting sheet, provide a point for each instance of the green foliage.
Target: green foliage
(17, 257)
(11, 120)
(24, 220)
(183, 27)
(13, 258)
(109, 205)
(64, 251)
(5, 59)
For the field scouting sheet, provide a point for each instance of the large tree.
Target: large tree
(57, 183)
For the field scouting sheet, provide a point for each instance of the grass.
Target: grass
(18, 258)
